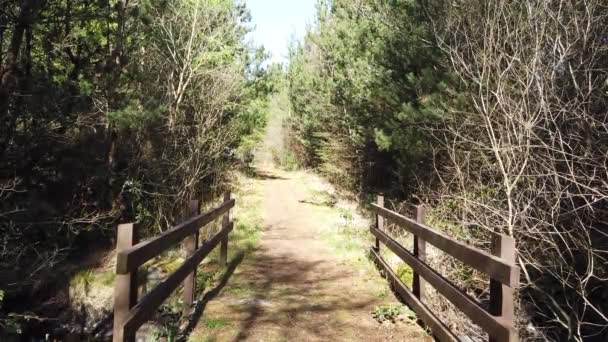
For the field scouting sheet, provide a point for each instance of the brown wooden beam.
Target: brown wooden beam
(148, 305)
(379, 219)
(504, 272)
(224, 244)
(131, 258)
(420, 253)
(190, 247)
(438, 329)
(125, 288)
(498, 327)
(501, 296)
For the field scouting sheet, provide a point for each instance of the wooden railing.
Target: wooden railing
(497, 320)
(129, 314)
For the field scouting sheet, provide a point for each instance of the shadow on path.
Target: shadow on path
(200, 306)
(259, 174)
(297, 298)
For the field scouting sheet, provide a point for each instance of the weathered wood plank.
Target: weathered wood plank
(442, 332)
(224, 244)
(125, 286)
(131, 258)
(497, 268)
(190, 247)
(501, 296)
(148, 304)
(499, 328)
(379, 218)
(420, 253)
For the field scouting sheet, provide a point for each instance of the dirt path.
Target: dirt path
(293, 287)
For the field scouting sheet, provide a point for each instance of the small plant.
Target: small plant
(385, 313)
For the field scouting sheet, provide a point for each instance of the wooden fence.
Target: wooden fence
(129, 314)
(497, 320)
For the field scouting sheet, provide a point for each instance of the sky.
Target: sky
(276, 21)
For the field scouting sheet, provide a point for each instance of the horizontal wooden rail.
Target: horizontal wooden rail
(497, 320)
(495, 267)
(129, 314)
(141, 312)
(436, 326)
(131, 258)
(501, 329)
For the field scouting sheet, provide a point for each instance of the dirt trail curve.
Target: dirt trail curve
(293, 287)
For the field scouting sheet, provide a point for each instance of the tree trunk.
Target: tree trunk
(8, 71)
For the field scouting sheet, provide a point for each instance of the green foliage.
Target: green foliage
(135, 116)
(114, 114)
(204, 279)
(107, 278)
(388, 312)
(88, 279)
(405, 273)
(83, 279)
(286, 160)
(363, 88)
(216, 323)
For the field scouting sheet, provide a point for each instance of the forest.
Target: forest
(114, 111)
(493, 114)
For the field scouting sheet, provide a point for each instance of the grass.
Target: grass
(216, 323)
(346, 233)
(82, 279)
(247, 216)
(88, 279)
(286, 160)
(204, 279)
(241, 291)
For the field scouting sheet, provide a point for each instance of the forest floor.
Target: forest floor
(308, 278)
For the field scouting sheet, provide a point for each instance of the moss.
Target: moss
(171, 264)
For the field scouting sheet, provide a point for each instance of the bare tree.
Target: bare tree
(526, 155)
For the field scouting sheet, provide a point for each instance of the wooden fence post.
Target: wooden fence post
(420, 253)
(501, 296)
(225, 222)
(379, 219)
(190, 247)
(125, 290)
